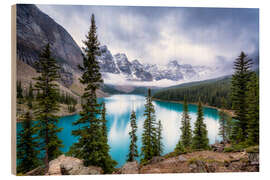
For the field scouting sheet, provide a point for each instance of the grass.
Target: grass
(253, 149)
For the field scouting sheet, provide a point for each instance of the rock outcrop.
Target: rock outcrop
(129, 168)
(65, 165)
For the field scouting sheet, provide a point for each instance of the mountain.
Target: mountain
(119, 64)
(34, 30)
(106, 61)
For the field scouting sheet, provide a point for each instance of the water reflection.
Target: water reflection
(119, 108)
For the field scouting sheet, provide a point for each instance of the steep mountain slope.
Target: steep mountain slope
(34, 30)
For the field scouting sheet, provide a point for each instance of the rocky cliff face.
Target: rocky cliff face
(137, 71)
(34, 30)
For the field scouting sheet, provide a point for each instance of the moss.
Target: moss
(171, 154)
(236, 148)
(252, 149)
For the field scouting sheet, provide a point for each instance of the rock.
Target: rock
(37, 171)
(156, 159)
(198, 167)
(54, 166)
(218, 147)
(130, 168)
(65, 165)
(106, 61)
(35, 29)
(253, 158)
(182, 158)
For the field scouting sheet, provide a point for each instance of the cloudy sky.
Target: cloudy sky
(197, 36)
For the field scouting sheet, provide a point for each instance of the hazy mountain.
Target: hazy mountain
(35, 29)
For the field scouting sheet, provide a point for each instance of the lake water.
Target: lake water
(118, 112)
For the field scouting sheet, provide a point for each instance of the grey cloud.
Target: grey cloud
(139, 31)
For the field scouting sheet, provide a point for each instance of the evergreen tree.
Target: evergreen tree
(133, 152)
(253, 110)
(27, 153)
(186, 137)
(149, 135)
(229, 127)
(200, 139)
(19, 92)
(159, 148)
(240, 80)
(179, 148)
(30, 96)
(107, 162)
(222, 122)
(91, 145)
(47, 105)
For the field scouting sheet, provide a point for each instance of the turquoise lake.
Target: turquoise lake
(118, 112)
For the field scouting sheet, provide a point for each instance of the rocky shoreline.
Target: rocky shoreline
(194, 162)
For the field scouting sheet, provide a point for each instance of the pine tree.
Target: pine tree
(19, 92)
(240, 80)
(27, 153)
(149, 135)
(200, 139)
(133, 152)
(253, 110)
(47, 105)
(91, 146)
(159, 148)
(30, 96)
(107, 162)
(222, 121)
(179, 148)
(229, 127)
(186, 136)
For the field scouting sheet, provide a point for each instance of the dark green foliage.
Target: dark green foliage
(108, 163)
(200, 139)
(92, 146)
(240, 80)
(66, 98)
(110, 89)
(253, 110)
(180, 149)
(19, 92)
(229, 127)
(222, 122)
(27, 153)
(209, 92)
(186, 136)
(30, 96)
(133, 151)
(159, 148)
(149, 130)
(47, 105)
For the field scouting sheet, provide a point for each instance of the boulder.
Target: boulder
(218, 147)
(198, 167)
(253, 158)
(65, 165)
(130, 168)
(182, 158)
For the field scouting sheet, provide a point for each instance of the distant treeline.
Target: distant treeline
(209, 92)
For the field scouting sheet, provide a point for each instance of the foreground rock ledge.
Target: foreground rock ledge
(65, 165)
